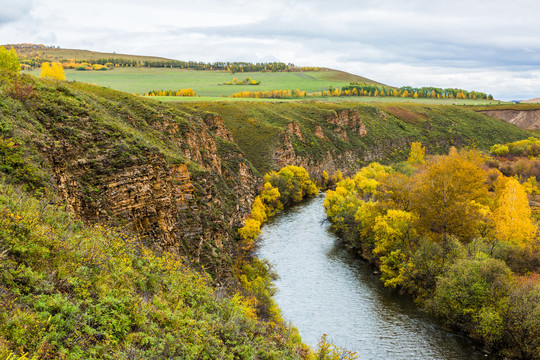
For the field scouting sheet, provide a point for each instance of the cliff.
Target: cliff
(184, 175)
(177, 179)
(526, 119)
(330, 136)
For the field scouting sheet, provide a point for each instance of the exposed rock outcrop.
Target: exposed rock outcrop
(192, 208)
(525, 119)
(349, 118)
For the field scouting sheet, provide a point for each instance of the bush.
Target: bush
(473, 294)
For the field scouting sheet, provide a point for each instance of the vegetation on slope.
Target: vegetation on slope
(92, 134)
(77, 292)
(457, 235)
(96, 289)
(390, 129)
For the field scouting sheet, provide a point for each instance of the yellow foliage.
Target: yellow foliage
(416, 156)
(513, 215)
(258, 210)
(249, 232)
(393, 231)
(52, 72)
(9, 60)
(270, 198)
(445, 191)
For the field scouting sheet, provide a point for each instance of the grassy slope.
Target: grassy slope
(78, 54)
(255, 127)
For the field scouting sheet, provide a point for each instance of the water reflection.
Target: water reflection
(323, 289)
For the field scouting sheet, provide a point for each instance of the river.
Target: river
(323, 289)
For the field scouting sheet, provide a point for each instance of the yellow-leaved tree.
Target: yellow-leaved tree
(52, 72)
(448, 193)
(416, 156)
(8, 60)
(512, 217)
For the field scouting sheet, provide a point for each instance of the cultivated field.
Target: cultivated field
(209, 83)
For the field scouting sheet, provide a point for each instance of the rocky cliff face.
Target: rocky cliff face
(525, 119)
(343, 123)
(192, 208)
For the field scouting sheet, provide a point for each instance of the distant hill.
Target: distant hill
(51, 53)
(532, 101)
(26, 51)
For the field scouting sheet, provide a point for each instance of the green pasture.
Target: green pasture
(208, 83)
(352, 99)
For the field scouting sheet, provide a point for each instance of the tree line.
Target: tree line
(357, 89)
(233, 67)
(181, 92)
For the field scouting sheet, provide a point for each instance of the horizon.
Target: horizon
(487, 46)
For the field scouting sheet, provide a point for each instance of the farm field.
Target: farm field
(351, 99)
(206, 83)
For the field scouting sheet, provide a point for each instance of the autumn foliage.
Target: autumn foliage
(8, 60)
(53, 71)
(181, 92)
(288, 186)
(454, 234)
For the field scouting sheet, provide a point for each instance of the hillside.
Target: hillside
(185, 174)
(531, 101)
(330, 136)
(102, 188)
(27, 51)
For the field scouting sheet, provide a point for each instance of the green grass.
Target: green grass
(391, 127)
(362, 99)
(207, 83)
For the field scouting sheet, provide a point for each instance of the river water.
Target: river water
(323, 289)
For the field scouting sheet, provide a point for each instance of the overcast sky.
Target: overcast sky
(490, 46)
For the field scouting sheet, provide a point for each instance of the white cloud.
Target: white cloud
(490, 46)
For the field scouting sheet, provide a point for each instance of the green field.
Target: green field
(350, 99)
(207, 83)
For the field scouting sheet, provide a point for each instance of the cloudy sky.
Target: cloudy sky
(491, 46)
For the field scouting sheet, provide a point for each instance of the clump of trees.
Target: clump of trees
(53, 71)
(457, 235)
(233, 67)
(9, 60)
(246, 81)
(529, 147)
(181, 92)
(286, 187)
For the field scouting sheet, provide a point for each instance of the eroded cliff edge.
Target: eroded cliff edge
(184, 175)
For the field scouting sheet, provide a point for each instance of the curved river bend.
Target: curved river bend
(324, 290)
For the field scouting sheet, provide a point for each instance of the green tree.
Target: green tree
(8, 60)
(473, 294)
